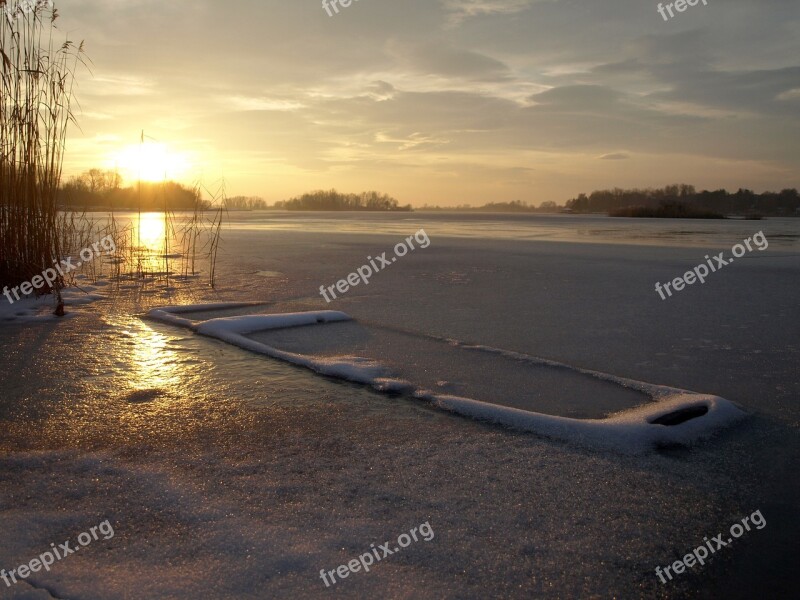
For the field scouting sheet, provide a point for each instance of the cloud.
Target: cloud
(247, 103)
(119, 85)
(755, 91)
(792, 95)
(577, 97)
(460, 10)
(439, 58)
(381, 90)
(411, 141)
(615, 156)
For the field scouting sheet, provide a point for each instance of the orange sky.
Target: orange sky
(441, 102)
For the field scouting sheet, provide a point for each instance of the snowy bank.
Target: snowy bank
(32, 309)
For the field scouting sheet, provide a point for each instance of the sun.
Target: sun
(151, 161)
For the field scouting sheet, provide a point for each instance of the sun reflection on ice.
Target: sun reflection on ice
(154, 364)
(149, 234)
(153, 374)
(149, 243)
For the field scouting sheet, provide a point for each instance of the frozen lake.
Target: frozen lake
(782, 232)
(232, 475)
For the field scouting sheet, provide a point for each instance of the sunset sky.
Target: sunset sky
(441, 101)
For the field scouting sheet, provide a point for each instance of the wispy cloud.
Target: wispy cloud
(259, 103)
(460, 10)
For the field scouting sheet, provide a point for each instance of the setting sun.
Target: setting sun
(150, 161)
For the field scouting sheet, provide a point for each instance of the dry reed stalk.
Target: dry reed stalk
(36, 95)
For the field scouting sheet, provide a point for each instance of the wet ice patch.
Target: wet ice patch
(143, 396)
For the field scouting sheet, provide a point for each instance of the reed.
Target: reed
(37, 76)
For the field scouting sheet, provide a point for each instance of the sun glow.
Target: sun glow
(151, 161)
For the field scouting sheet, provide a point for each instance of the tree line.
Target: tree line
(333, 200)
(99, 189)
(743, 202)
(246, 203)
(515, 206)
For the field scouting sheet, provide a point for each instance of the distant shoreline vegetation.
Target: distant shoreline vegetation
(336, 201)
(516, 206)
(684, 202)
(97, 189)
(102, 190)
(666, 210)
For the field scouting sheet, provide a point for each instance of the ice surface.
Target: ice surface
(451, 367)
(247, 475)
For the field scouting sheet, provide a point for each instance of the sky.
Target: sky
(439, 101)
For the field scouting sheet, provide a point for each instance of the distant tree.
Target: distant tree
(513, 206)
(245, 203)
(548, 206)
(97, 181)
